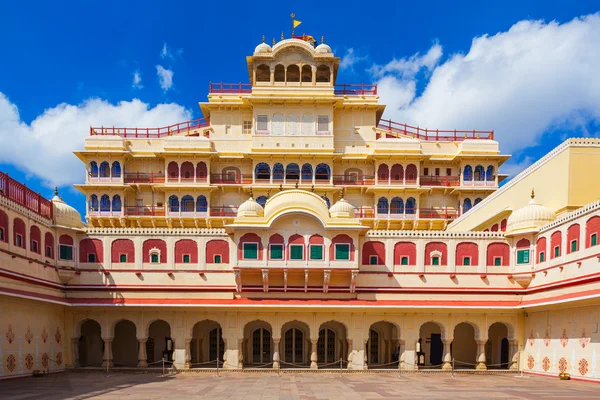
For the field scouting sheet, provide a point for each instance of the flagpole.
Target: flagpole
(293, 16)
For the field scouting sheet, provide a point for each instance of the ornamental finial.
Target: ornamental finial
(251, 194)
(56, 190)
(281, 35)
(274, 42)
(532, 194)
(263, 38)
(322, 39)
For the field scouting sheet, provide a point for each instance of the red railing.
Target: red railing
(24, 196)
(439, 213)
(145, 211)
(226, 179)
(229, 87)
(353, 180)
(440, 180)
(364, 212)
(152, 133)
(396, 129)
(223, 211)
(355, 89)
(144, 177)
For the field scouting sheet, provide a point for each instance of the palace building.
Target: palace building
(293, 227)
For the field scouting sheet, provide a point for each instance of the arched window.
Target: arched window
(411, 206)
(322, 172)
(94, 169)
(397, 173)
(116, 203)
(278, 124)
(477, 201)
(279, 73)
(105, 203)
(201, 171)
(383, 172)
(104, 170)
(94, 202)
(479, 173)
(307, 172)
(382, 206)
(116, 169)
(173, 204)
(278, 173)
(292, 172)
(201, 204)
(323, 73)
(468, 173)
(306, 73)
(411, 174)
(489, 173)
(397, 206)
(187, 203)
(262, 171)
(308, 124)
(173, 170)
(187, 171)
(263, 73)
(262, 200)
(293, 73)
(293, 125)
(467, 205)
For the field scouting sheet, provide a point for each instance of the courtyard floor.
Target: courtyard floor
(259, 386)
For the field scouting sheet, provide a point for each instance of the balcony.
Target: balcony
(397, 182)
(104, 179)
(439, 213)
(230, 179)
(190, 180)
(421, 213)
(229, 88)
(189, 213)
(223, 211)
(24, 196)
(145, 211)
(105, 213)
(151, 133)
(397, 130)
(355, 89)
(264, 140)
(144, 177)
(484, 183)
(427, 180)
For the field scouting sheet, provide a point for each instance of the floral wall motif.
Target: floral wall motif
(29, 361)
(57, 336)
(584, 340)
(564, 339)
(583, 367)
(546, 364)
(11, 363)
(28, 335)
(45, 360)
(10, 335)
(562, 365)
(530, 362)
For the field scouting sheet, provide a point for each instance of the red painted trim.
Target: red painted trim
(29, 279)
(573, 378)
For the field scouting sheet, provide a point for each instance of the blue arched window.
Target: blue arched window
(116, 169)
(116, 203)
(479, 173)
(187, 203)
(173, 203)
(105, 203)
(278, 173)
(382, 206)
(489, 173)
(292, 172)
(411, 206)
(396, 206)
(477, 201)
(94, 169)
(262, 171)
(322, 172)
(468, 174)
(467, 205)
(201, 204)
(104, 170)
(262, 200)
(94, 202)
(307, 172)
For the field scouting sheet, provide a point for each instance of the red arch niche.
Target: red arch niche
(217, 248)
(122, 246)
(339, 239)
(91, 246)
(19, 229)
(383, 172)
(49, 243)
(250, 238)
(436, 246)
(556, 241)
(66, 240)
(467, 249)
(523, 244)
(405, 249)
(592, 226)
(373, 248)
(540, 246)
(573, 233)
(151, 244)
(295, 239)
(501, 250)
(4, 226)
(186, 246)
(35, 235)
(503, 225)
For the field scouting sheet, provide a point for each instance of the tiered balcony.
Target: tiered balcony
(21, 194)
(421, 213)
(144, 177)
(187, 127)
(398, 130)
(352, 89)
(353, 180)
(484, 183)
(230, 179)
(397, 182)
(440, 180)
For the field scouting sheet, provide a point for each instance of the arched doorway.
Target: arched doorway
(332, 344)
(125, 345)
(159, 342)
(464, 347)
(207, 344)
(296, 344)
(497, 346)
(430, 348)
(91, 345)
(383, 346)
(258, 343)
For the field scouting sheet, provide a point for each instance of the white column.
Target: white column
(481, 355)
(142, 357)
(276, 353)
(313, 355)
(107, 359)
(447, 358)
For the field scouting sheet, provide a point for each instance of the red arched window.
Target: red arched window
(186, 251)
(316, 248)
(19, 233)
(436, 253)
(405, 253)
(541, 250)
(49, 245)
(498, 254)
(556, 244)
(201, 172)
(373, 253)
(91, 250)
(467, 254)
(3, 227)
(154, 251)
(592, 231)
(250, 247)
(503, 225)
(296, 248)
(217, 252)
(383, 172)
(342, 248)
(122, 251)
(573, 238)
(35, 239)
(65, 248)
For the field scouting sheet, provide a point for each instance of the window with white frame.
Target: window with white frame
(155, 256)
(34, 246)
(404, 261)
(323, 123)
(373, 260)
(296, 252)
(250, 251)
(65, 252)
(262, 123)
(316, 251)
(19, 240)
(542, 256)
(91, 258)
(342, 251)
(276, 251)
(247, 128)
(435, 260)
(523, 256)
(186, 258)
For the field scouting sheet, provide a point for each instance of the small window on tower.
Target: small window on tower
(404, 261)
(435, 260)
(556, 251)
(186, 258)
(497, 261)
(448, 171)
(467, 261)
(34, 246)
(542, 256)
(573, 246)
(523, 257)
(373, 260)
(48, 251)
(262, 123)
(247, 128)
(123, 258)
(91, 258)
(594, 239)
(217, 259)
(154, 258)
(19, 241)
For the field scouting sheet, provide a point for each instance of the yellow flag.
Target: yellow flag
(296, 23)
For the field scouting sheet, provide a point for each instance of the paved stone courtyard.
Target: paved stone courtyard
(259, 386)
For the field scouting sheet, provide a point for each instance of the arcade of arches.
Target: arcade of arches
(314, 341)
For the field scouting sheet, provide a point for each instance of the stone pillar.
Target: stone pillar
(401, 349)
(313, 355)
(142, 357)
(75, 352)
(188, 353)
(240, 353)
(513, 355)
(447, 358)
(107, 352)
(481, 355)
(276, 353)
(350, 354)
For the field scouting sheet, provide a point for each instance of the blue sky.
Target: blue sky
(465, 65)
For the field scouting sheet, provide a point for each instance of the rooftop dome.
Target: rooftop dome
(262, 48)
(323, 48)
(529, 219)
(250, 208)
(342, 209)
(64, 214)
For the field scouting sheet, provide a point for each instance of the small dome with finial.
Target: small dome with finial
(342, 209)
(529, 219)
(323, 48)
(250, 208)
(65, 215)
(262, 48)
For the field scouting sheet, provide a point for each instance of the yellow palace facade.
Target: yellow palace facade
(295, 227)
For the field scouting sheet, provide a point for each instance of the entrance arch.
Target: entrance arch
(332, 344)
(497, 346)
(464, 346)
(207, 344)
(159, 342)
(258, 343)
(91, 345)
(295, 340)
(125, 344)
(382, 346)
(430, 348)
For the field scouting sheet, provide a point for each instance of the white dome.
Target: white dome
(64, 214)
(323, 48)
(342, 209)
(262, 48)
(529, 219)
(250, 208)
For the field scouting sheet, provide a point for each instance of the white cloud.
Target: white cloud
(513, 168)
(165, 77)
(349, 59)
(166, 53)
(44, 147)
(137, 80)
(522, 83)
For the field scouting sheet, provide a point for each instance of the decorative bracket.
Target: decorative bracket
(238, 280)
(265, 279)
(285, 277)
(305, 280)
(326, 277)
(353, 281)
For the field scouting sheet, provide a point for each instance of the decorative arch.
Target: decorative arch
(556, 243)
(201, 204)
(307, 172)
(468, 173)
(411, 206)
(293, 73)
(476, 329)
(35, 239)
(467, 254)
(279, 75)
(152, 244)
(439, 248)
(104, 170)
(105, 203)
(187, 203)
(397, 173)
(397, 206)
(540, 248)
(217, 248)
(383, 172)
(250, 238)
(467, 205)
(186, 247)
(262, 172)
(405, 252)
(573, 243)
(489, 173)
(479, 174)
(93, 169)
(292, 172)
(477, 201)
(89, 248)
(173, 170)
(173, 203)
(322, 172)
(122, 251)
(323, 73)
(48, 245)
(3, 226)
(498, 250)
(201, 172)
(382, 206)
(306, 73)
(116, 169)
(19, 230)
(116, 203)
(263, 73)
(411, 174)
(278, 173)
(94, 204)
(592, 227)
(296, 240)
(341, 239)
(262, 200)
(373, 251)
(125, 343)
